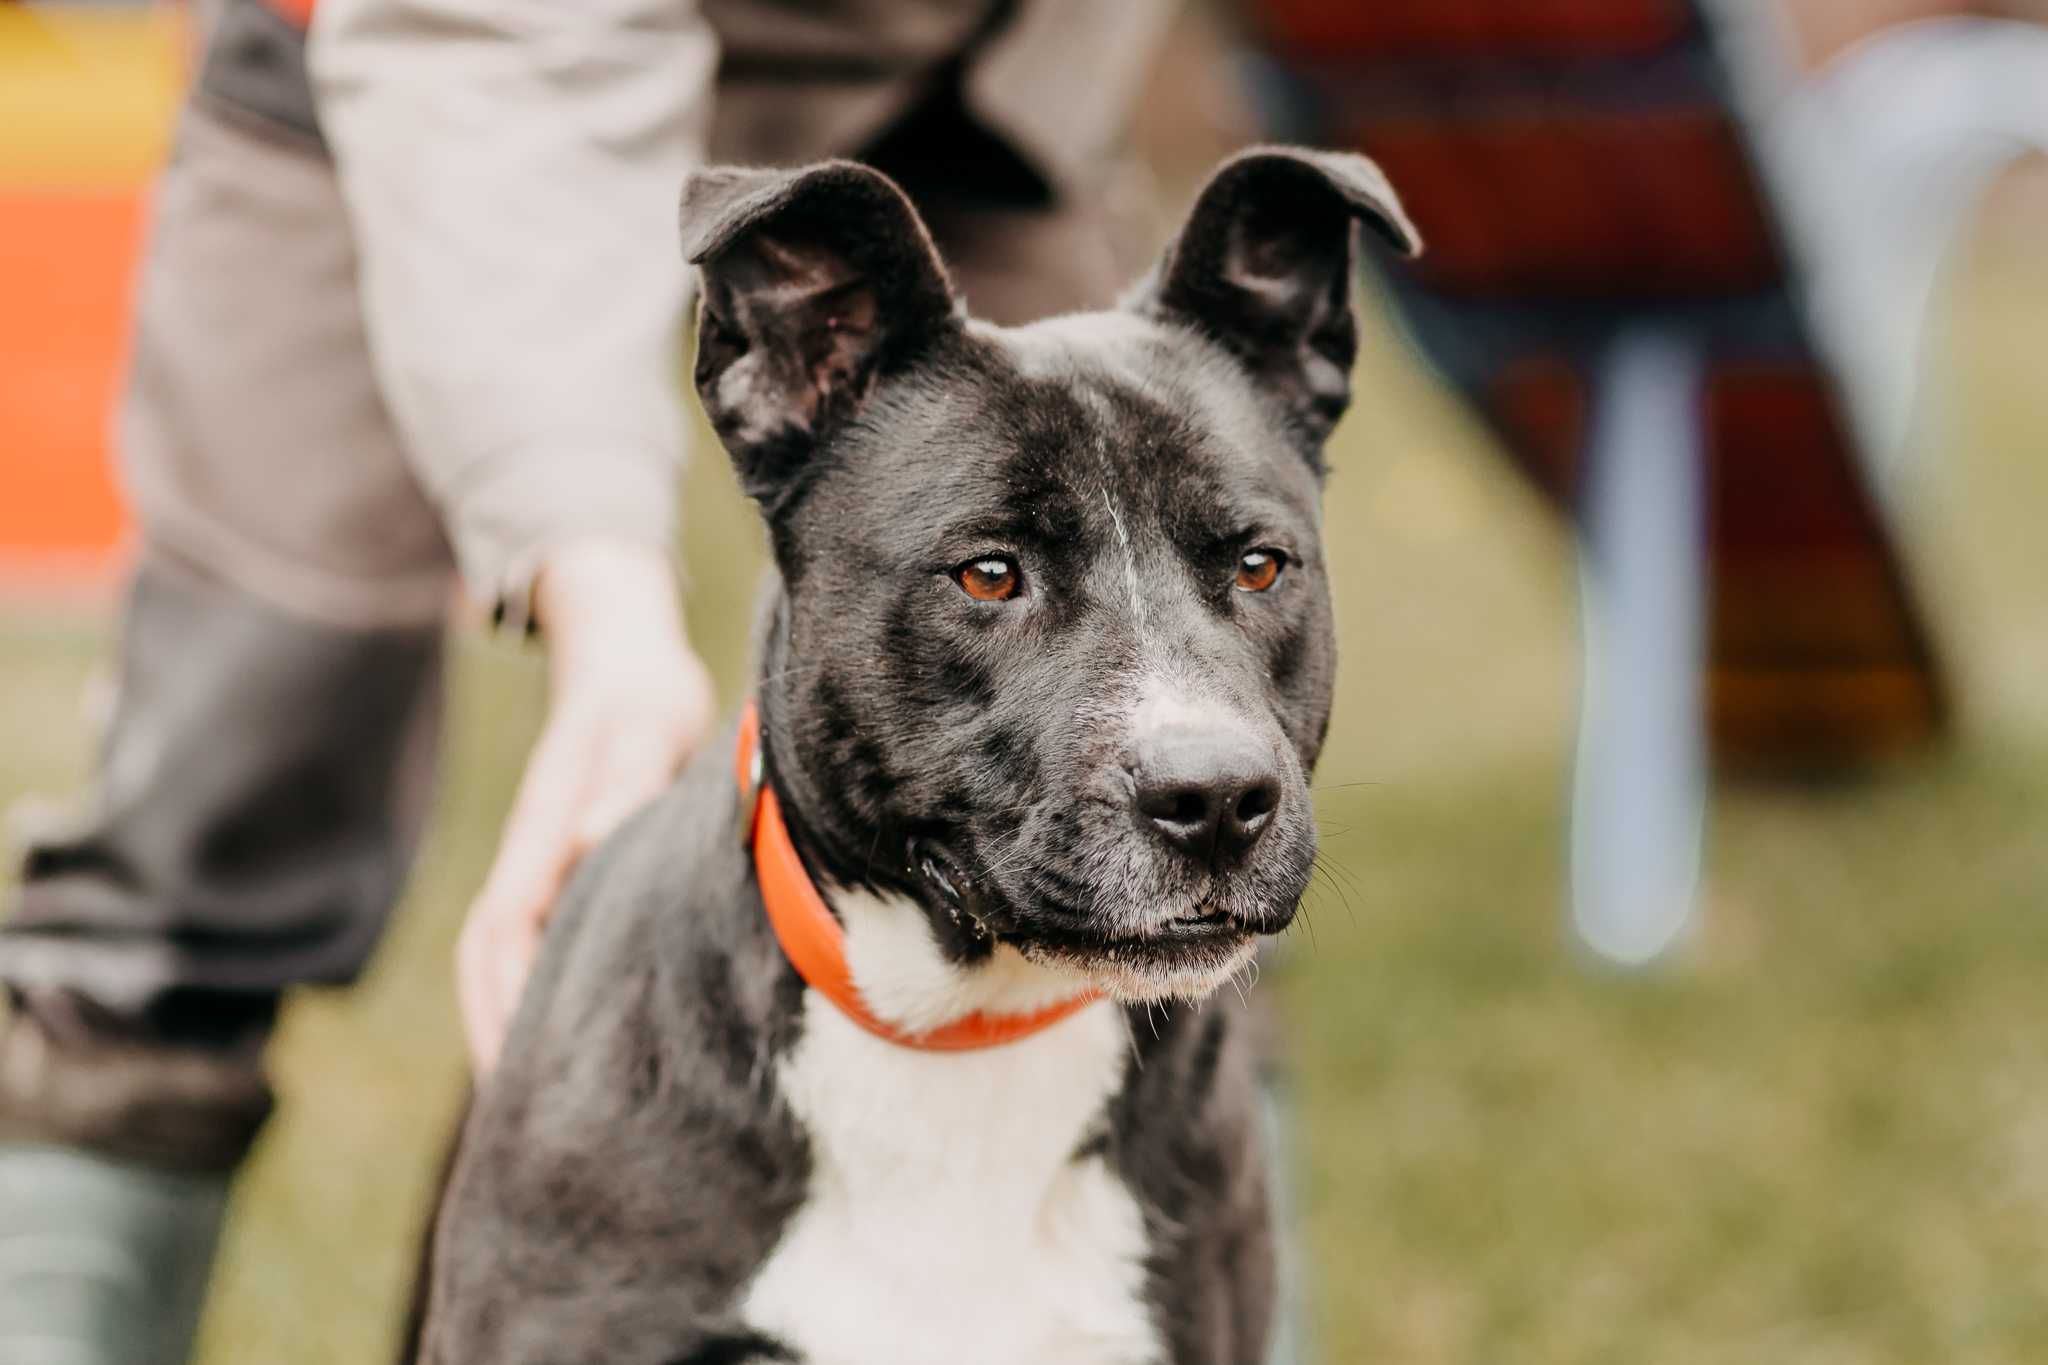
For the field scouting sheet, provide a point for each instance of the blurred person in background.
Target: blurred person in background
(1683, 260)
(1881, 125)
(410, 314)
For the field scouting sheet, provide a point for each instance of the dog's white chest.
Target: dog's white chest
(947, 1219)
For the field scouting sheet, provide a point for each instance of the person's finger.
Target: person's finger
(534, 854)
(511, 963)
(533, 848)
(590, 771)
(477, 1034)
(493, 959)
(473, 996)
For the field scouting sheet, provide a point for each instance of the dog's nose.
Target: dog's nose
(1208, 792)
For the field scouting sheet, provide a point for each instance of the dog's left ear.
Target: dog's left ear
(816, 283)
(1263, 266)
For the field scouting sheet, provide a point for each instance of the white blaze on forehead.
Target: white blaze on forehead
(1101, 343)
(1126, 553)
(1130, 558)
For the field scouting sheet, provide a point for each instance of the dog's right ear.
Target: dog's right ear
(816, 282)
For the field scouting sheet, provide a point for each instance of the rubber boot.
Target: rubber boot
(102, 1262)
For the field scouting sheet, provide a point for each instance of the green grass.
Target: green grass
(1820, 1136)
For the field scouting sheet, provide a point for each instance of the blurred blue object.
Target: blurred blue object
(1640, 795)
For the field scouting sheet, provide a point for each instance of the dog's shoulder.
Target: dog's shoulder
(661, 925)
(631, 1118)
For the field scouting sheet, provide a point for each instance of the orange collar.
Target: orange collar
(813, 940)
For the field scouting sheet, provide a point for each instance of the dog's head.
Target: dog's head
(1054, 652)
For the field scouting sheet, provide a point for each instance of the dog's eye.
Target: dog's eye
(1260, 569)
(994, 579)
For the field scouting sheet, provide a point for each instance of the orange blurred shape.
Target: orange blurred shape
(64, 275)
(87, 96)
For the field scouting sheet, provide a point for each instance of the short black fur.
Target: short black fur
(629, 1166)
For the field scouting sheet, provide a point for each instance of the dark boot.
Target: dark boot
(102, 1262)
(115, 1161)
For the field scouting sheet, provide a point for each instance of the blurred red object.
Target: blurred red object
(1321, 29)
(1579, 176)
(1535, 200)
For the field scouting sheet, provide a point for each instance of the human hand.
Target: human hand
(627, 702)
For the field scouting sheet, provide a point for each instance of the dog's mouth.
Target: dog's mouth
(1185, 956)
(1186, 959)
(942, 873)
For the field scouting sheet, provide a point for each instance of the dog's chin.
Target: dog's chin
(1151, 970)
(1181, 946)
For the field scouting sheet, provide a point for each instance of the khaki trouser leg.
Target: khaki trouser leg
(262, 783)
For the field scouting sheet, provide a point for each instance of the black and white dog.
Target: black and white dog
(1045, 671)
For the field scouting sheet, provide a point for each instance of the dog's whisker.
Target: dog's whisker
(1335, 888)
(1345, 874)
(1131, 1037)
(1340, 880)
(1020, 852)
(1321, 869)
(791, 671)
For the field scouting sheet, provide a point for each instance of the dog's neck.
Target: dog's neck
(903, 975)
(959, 1207)
(910, 983)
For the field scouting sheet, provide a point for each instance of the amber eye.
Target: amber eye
(1260, 569)
(993, 579)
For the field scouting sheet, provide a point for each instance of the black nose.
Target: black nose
(1209, 793)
